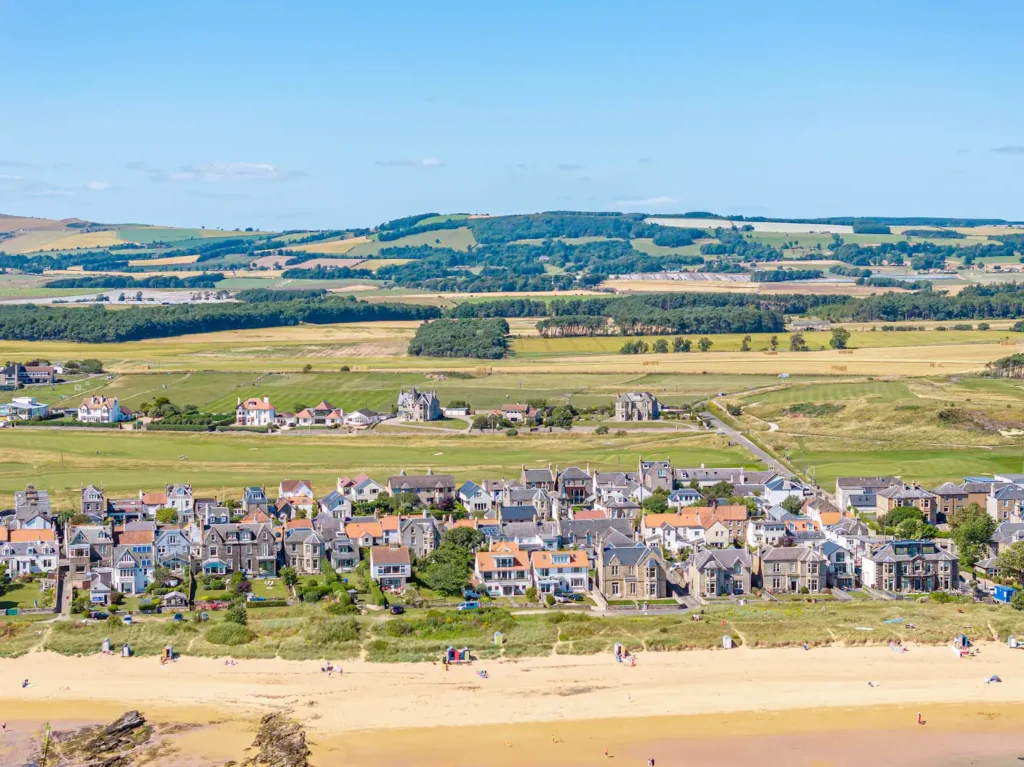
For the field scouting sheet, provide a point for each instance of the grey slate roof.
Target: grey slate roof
(626, 555)
(724, 559)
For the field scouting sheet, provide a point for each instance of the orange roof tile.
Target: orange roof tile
(293, 524)
(3, 534)
(485, 560)
(466, 523)
(256, 404)
(154, 499)
(29, 536)
(590, 514)
(828, 518)
(390, 522)
(135, 537)
(359, 529)
(546, 559)
(255, 517)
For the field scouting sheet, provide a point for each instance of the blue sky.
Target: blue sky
(336, 114)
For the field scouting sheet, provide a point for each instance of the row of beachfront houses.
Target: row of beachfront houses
(532, 527)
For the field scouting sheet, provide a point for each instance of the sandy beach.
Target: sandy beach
(532, 705)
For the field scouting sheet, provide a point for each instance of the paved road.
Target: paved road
(736, 436)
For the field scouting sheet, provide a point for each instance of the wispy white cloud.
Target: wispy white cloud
(31, 188)
(569, 166)
(1009, 150)
(214, 172)
(646, 202)
(99, 186)
(426, 162)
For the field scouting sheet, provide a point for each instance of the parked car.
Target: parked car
(397, 609)
(97, 615)
(178, 617)
(468, 593)
(469, 606)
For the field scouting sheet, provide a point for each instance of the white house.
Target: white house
(504, 570)
(133, 571)
(475, 499)
(23, 409)
(761, 532)
(390, 567)
(179, 498)
(99, 409)
(685, 496)
(255, 412)
(29, 557)
(361, 419)
(560, 571)
(298, 492)
(360, 489)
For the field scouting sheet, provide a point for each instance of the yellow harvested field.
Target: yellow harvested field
(169, 261)
(334, 246)
(30, 242)
(354, 289)
(102, 239)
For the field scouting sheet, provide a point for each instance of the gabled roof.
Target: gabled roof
(154, 499)
(627, 555)
(420, 481)
(255, 404)
(290, 486)
(361, 529)
(389, 555)
(587, 515)
(485, 560)
(573, 473)
(724, 559)
(256, 517)
(31, 536)
(790, 554)
(135, 538)
(577, 558)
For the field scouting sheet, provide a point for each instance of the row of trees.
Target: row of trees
(637, 319)
(661, 345)
(120, 281)
(97, 325)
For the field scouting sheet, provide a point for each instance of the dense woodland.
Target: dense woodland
(1004, 301)
(96, 324)
(479, 338)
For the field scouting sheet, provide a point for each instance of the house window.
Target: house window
(615, 589)
(632, 587)
(615, 570)
(213, 551)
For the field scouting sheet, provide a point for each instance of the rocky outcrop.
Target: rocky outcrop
(113, 745)
(281, 743)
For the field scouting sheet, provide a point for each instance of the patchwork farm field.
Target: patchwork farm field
(214, 463)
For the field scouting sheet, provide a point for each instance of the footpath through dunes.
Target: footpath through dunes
(527, 707)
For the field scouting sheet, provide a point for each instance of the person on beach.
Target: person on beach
(919, 719)
(805, 645)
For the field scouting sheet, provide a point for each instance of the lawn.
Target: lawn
(219, 392)
(22, 595)
(125, 462)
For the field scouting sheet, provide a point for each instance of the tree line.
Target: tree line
(638, 320)
(97, 325)
(120, 281)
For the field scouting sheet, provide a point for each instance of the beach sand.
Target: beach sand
(723, 707)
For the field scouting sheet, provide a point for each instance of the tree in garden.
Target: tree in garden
(773, 343)
(166, 516)
(289, 576)
(797, 343)
(745, 345)
(1011, 562)
(705, 343)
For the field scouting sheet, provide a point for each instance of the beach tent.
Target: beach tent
(126, 650)
(498, 638)
(458, 656)
(962, 641)
(105, 647)
(727, 642)
(618, 651)
(1012, 642)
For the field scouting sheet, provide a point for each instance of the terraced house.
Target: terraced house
(504, 570)
(431, 489)
(790, 570)
(631, 572)
(910, 567)
(559, 572)
(249, 548)
(720, 572)
(303, 550)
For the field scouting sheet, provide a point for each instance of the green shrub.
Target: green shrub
(549, 600)
(230, 634)
(601, 430)
(531, 594)
(398, 628)
(332, 631)
(237, 614)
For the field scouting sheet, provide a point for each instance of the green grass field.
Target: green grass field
(219, 392)
(457, 239)
(880, 391)
(125, 462)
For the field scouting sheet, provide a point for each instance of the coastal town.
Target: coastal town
(657, 536)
